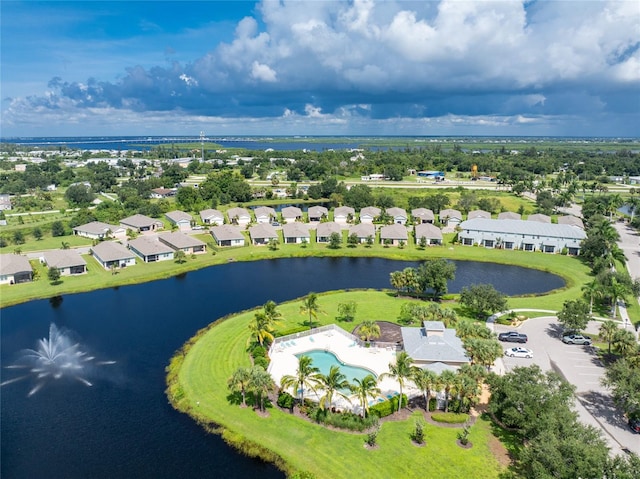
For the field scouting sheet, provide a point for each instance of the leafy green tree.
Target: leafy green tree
(180, 256)
(437, 202)
(434, 273)
(401, 371)
(483, 299)
(261, 383)
(332, 383)
(574, 315)
(347, 311)
(365, 389)
(352, 240)
(37, 233)
(426, 381)
(624, 342)
(79, 195)
(273, 244)
(334, 240)
(53, 274)
(18, 237)
(239, 382)
(57, 228)
(311, 307)
(369, 330)
(306, 376)
(623, 379)
(607, 332)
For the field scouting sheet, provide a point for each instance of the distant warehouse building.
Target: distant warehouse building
(524, 235)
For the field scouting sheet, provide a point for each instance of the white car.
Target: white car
(518, 353)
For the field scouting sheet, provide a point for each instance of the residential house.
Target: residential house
(540, 218)
(67, 261)
(394, 234)
(291, 214)
(227, 235)
(317, 213)
(478, 214)
(183, 242)
(450, 217)
(151, 250)
(264, 214)
(431, 233)
(141, 223)
(434, 347)
(363, 231)
(15, 269)
(295, 233)
(159, 193)
(344, 214)
(325, 230)
(212, 217)
(180, 219)
(239, 216)
(398, 214)
(423, 215)
(100, 231)
(521, 234)
(368, 214)
(5, 202)
(571, 221)
(262, 233)
(509, 215)
(112, 255)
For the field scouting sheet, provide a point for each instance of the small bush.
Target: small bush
(433, 404)
(286, 332)
(417, 435)
(463, 436)
(264, 362)
(345, 420)
(387, 407)
(372, 437)
(450, 417)
(258, 352)
(285, 400)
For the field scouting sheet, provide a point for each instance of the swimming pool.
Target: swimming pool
(323, 360)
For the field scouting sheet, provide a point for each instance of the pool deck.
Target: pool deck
(347, 349)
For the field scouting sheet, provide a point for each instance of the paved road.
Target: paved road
(580, 366)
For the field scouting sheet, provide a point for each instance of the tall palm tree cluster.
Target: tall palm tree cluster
(254, 381)
(463, 385)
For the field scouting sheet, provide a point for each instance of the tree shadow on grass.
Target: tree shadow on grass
(235, 398)
(509, 439)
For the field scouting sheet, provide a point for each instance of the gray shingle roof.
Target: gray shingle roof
(344, 211)
(226, 233)
(111, 251)
(14, 263)
(540, 218)
(509, 215)
(524, 227)
(264, 211)
(63, 258)
(291, 212)
(423, 214)
(363, 230)
(295, 230)
(177, 215)
(570, 220)
(449, 213)
(433, 345)
(395, 212)
(317, 211)
(97, 228)
(428, 230)
(177, 240)
(478, 214)
(372, 211)
(238, 213)
(325, 229)
(140, 221)
(149, 246)
(211, 214)
(394, 232)
(263, 231)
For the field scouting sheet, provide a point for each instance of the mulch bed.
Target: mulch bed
(389, 332)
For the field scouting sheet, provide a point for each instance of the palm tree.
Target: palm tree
(364, 389)
(369, 330)
(397, 281)
(310, 306)
(306, 376)
(617, 291)
(592, 290)
(425, 380)
(468, 390)
(261, 383)
(401, 370)
(261, 329)
(624, 342)
(239, 382)
(331, 384)
(272, 314)
(607, 332)
(447, 380)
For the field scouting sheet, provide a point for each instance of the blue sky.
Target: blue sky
(301, 67)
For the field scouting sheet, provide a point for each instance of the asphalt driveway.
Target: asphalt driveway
(580, 366)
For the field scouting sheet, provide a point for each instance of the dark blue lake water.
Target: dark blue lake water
(123, 426)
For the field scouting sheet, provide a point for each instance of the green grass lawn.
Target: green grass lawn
(201, 391)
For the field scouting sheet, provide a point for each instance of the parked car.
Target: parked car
(576, 339)
(518, 353)
(634, 424)
(275, 223)
(513, 337)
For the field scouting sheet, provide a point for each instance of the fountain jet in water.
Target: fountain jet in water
(54, 358)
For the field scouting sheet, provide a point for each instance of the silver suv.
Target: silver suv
(576, 339)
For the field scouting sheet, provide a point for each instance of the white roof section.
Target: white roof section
(433, 343)
(524, 227)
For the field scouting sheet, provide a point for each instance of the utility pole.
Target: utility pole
(202, 144)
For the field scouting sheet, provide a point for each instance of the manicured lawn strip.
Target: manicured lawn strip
(306, 446)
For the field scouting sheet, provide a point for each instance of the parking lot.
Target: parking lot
(580, 366)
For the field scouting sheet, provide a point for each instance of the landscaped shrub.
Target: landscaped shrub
(287, 332)
(450, 417)
(344, 420)
(261, 361)
(285, 400)
(387, 407)
(417, 435)
(259, 352)
(433, 404)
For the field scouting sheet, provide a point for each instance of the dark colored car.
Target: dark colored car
(634, 424)
(513, 337)
(576, 339)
